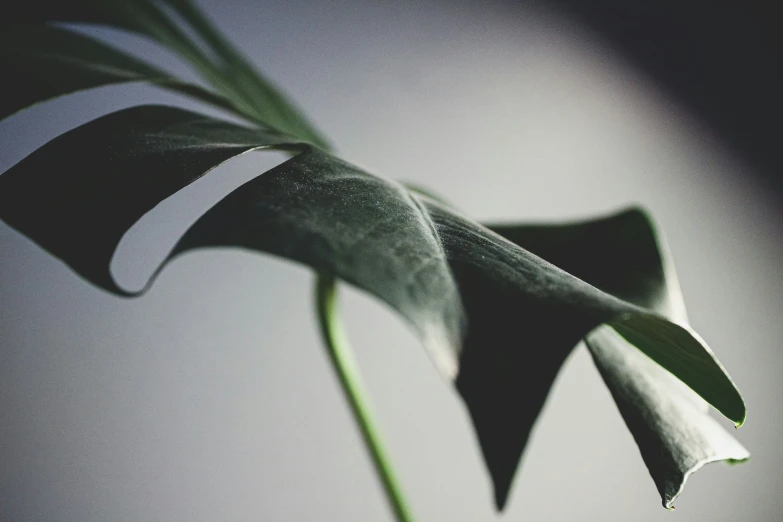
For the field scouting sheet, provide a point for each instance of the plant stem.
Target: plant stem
(348, 372)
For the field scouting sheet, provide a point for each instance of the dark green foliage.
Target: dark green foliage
(77, 195)
(46, 62)
(499, 308)
(622, 255)
(223, 68)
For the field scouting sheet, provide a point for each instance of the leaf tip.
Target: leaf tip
(501, 496)
(736, 462)
(740, 420)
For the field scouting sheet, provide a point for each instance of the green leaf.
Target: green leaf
(265, 99)
(693, 364)
(43, 62)
(223, 67)
(77, 195)
(624, 258)
(625, 261)
(670, 423)
(675, 434)
(487, 310)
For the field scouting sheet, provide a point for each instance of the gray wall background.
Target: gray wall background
(210, 398)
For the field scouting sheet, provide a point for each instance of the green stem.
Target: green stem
(348, 372)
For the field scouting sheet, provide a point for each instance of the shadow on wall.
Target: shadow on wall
(722, 59)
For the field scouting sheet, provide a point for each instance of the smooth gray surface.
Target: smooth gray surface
(211, 398)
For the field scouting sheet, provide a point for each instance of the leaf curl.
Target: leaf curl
(497, 319)
(624, 255)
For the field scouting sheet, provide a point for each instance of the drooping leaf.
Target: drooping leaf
(42, 62)
(623, 255)
(487, 310)
(674, 432)
(222, 66)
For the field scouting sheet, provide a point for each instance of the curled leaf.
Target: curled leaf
(669, 421)
(487, 310)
